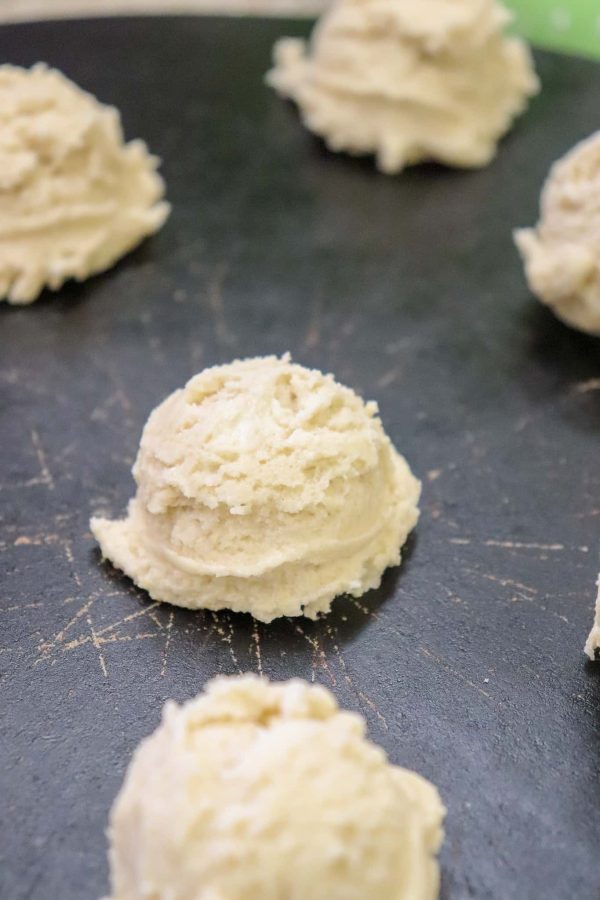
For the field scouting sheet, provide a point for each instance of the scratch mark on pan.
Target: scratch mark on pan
(152, 615)
(319, 656)
(585, 387)
(505, 582)
(120, 395)
(514, 545)
(425, 651)
(111, 639)
(167, 643)
(523, 545)
(522, 593)
(196, 353)
(588, 515)
(313, 668)
(146, 611)
(66, 451)
(523, 598)
(348, 679)
(207, 627)
(366, 699)
(47, 646)
(257, 650)
(15, 485)
(313, 332)
(531, 672)
(20, 606)
(36, 540)
(389, 378)
(97, 646)
(68, 551)
(365, 610)
(155, 346)
(340, 658)
(227, 638)
(215, 301)
(41, 458)
(100, 412)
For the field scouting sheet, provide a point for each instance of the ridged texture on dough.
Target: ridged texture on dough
(562, 254)
(259, 791)
(409, 81)
(263, 487)
(73, 197)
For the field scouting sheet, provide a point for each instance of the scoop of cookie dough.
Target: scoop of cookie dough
(74, 197)
(409, 81)
(562, 254)
(592, 646)
(258, 790)
(263, 487)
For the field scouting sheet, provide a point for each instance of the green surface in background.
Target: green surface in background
(569, 25)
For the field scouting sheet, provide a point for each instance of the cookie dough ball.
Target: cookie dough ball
(562, 254)
(592, 647)
(409, 81)
(73, 197)
(263, 487)
(258, 790)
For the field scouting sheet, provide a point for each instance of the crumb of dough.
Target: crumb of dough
(74, 198)
(409, 81)
(263, 487)
(267, 790)
(562, 253)
(592, 645)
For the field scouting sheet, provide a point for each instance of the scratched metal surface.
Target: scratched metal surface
(468, 661)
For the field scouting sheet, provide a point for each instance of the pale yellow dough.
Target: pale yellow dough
(409, 81)
(73, 197)
(593, 641)
(260, 791)
(263, 487)
(562, 254)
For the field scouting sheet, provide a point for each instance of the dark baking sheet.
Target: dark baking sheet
(468, 661)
